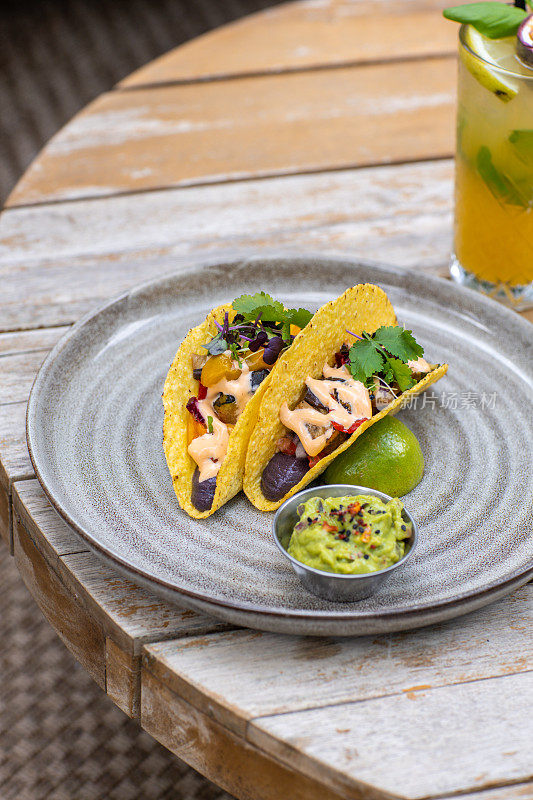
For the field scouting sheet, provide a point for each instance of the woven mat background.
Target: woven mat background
(57, 55)
(61, 738)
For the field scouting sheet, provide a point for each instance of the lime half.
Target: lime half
(386, 457)
(499, 52)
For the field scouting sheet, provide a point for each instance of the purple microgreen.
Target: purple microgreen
(273, 349)
(258, 342)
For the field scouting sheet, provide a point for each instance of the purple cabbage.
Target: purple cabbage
(194, 409)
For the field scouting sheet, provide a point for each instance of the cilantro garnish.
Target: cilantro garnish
(210, 424)
(365, 360)
(385, 352)
(260, 321)
(398, 342)
(262, 306)
(402, 374)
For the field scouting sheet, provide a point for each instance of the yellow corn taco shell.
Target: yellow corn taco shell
(179, 387)
(362, 308)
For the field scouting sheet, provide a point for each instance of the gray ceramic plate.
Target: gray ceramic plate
(94, 431)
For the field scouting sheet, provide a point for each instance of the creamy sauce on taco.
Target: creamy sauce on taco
(420, 366)
(352, 405)
(209, 450)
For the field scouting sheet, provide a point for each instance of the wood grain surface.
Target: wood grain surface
(438, 741)
(94, 249)
(323, 126)
(345, 670)
(296, 122)
(306, 36)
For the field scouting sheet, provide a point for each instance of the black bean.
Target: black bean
(203, 492)
(313, 400)
(258, 376)
(282, 473)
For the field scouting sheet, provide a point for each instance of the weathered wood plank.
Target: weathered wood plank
(130, 615)
(51, 535)
(78, 630)
(15, 461)
(248, 127)
(95, 249)
(5, 517)
(17, 373)
(458, 738)
(517, 791)
(202, 671)
(235, 765)
(21, 342)
(181, 221)
(307, 35)
(126, 613)
(123, 678)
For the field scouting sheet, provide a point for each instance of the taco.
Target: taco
(351, 366)
(212, 395)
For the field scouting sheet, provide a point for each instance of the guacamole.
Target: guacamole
(350, 535)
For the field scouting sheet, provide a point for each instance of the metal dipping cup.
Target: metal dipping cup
(331, 585)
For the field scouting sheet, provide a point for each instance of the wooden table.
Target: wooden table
(324, 125)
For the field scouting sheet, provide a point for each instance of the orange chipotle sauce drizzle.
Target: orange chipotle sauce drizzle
(351, 392)
(208, 450)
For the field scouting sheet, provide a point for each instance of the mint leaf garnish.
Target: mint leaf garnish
(522, 141)
(398, 342)
(493, 19)
(365, 360)
(499, 184)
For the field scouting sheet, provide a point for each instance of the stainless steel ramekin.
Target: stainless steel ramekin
(331, 585)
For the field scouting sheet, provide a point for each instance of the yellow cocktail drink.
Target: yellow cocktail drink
(494, 170)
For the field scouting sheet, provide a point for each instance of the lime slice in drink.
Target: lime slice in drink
(500, 52)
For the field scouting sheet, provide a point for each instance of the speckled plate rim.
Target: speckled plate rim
(385, 619)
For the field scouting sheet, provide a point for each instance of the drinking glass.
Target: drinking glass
(493, 243)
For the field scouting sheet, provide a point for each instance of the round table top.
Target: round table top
(322, 125)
